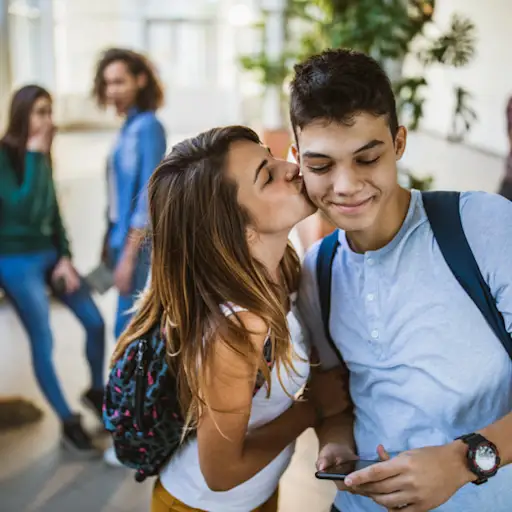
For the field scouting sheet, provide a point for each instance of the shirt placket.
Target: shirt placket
(374, 327)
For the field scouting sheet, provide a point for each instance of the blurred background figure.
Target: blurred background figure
(35, 254)
(126, 80)
(506, 184)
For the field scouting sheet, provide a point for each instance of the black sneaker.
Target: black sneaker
(93, 399)
(75, 439)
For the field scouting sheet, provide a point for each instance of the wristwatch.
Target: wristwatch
(482, 457)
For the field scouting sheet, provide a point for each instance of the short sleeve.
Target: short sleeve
(309, 307)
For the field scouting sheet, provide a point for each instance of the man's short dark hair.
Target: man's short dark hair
(151, 97)
(338, 84)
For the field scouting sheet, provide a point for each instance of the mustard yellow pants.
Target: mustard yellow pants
(162, 501)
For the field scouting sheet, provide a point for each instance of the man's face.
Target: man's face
(350, 172)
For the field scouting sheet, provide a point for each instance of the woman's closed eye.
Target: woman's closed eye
(270, 177)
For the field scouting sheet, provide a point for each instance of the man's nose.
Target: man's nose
(346, 182)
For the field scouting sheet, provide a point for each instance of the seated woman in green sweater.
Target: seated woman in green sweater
(34, 254)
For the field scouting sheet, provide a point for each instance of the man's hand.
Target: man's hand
(64, 270)
(333, 454)
(123, 275)
(414, 481)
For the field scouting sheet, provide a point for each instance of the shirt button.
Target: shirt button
(375, 334)
(370, 261)
(370, 297)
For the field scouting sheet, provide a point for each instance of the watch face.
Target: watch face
(485, 458)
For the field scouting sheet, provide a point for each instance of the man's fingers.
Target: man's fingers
(394, 501)
(376, 473)
(387, 486)
(383, 454)
(323, 463)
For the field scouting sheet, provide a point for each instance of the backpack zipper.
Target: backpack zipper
(140, 381)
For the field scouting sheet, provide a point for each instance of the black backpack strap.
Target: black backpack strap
(443, 212)
(325, 258)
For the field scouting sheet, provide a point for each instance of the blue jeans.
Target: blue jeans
(24, 279)
(125, 303)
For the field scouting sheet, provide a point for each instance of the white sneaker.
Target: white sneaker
(110, 458)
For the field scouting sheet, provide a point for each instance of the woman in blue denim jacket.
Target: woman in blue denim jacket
(126, 80)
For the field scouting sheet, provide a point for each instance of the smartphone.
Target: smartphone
(341, 471)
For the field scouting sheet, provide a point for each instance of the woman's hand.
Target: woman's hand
(328, 389)
(64, 270)
(42, 140)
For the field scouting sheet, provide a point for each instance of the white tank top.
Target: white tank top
(182, 476)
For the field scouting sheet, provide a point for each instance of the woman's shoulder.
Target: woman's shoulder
(239, 314)
(147, 120)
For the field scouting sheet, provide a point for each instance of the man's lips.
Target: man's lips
(352, 207)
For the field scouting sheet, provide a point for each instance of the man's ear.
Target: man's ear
(295, 153)
(400, 141)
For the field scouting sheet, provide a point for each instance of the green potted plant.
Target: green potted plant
(273, 71)
(390, 31)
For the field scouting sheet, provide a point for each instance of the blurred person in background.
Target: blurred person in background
(506, 184)
(223, 284)
(35, 254)
(127, 81)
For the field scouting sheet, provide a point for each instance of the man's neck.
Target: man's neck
(385, 228)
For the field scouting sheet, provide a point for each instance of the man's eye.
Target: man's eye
(368, 162)
(319, 168)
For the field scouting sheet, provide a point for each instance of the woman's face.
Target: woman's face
(271, 190)
(41, 115)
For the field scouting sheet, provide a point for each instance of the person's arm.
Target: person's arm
(335, 435)
(228, 454)
(151, 144)
(59, 231)
(35, 169)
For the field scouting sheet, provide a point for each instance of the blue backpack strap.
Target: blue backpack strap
(443, 212)
(325, 258)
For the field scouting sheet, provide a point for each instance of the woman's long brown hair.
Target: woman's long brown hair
(200, 260)
(15, 139)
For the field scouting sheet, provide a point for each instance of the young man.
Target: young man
(424, 366)
(126, 80)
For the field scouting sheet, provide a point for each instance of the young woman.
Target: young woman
(127, 81)
(222, 283)
(34, 254)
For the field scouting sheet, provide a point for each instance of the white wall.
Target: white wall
(488, 78)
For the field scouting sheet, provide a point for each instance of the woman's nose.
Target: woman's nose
(292, 171)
